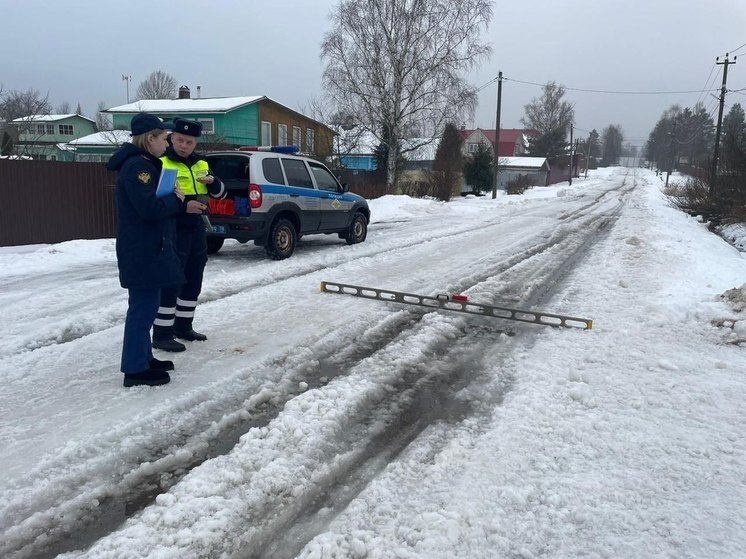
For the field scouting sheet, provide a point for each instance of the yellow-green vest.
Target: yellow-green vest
(186, 178)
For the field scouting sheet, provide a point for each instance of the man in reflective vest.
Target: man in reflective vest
(196, 182)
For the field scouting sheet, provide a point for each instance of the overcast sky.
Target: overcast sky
(78, 50)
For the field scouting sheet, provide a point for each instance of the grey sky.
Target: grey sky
(78, 50)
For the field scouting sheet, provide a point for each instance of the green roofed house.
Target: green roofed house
(46, 137)
(231, 122)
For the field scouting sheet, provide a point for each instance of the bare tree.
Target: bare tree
(64, 108)
(398, 64)
(25, 105)
(549, 112)
(158, 85)
(103, 121)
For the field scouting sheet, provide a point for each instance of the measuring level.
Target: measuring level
(457, 303)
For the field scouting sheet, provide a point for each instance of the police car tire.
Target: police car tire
(358, 230)
(214, 244)
(282, 239)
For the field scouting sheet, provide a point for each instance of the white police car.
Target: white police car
(275, 197)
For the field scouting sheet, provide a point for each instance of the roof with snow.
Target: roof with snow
(524, 162)
(103, 138)
(506, 134)
(208, 105)
(48, 118)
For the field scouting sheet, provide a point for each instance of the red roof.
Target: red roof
(508, 138)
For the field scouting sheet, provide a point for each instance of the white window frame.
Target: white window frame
(208, 126)
(297, 131)
(473, 147)
(282, 134)
(50, 128)
(310, 143)
(62, 127)
(266, 135)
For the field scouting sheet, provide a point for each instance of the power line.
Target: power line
(614, 92)
(736, 50)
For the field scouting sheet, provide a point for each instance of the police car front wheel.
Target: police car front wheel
(358, 230)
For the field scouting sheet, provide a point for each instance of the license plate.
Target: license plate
(220, 229)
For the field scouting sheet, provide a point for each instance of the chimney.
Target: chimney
(184, 92)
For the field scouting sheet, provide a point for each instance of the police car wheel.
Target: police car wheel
(214, 244)
(358, 230)
(282, 239)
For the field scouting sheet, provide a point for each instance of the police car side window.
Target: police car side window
(272, 171)
(296, 172)
(324, 179)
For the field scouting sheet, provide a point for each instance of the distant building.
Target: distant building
(229, 122)
(99, 146)
(46, 137)
(513, 141)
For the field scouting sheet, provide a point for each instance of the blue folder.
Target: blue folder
(166, 183)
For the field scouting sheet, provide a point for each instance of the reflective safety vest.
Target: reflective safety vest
(186, 177)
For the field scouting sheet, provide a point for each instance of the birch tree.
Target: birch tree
(399, 65)
(158, 85)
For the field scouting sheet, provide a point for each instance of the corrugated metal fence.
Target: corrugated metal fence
(55, 201)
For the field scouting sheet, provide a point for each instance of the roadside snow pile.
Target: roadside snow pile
(734, 327)
(736, 235)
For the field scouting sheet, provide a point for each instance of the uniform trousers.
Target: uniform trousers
(177, 304)
(137, 345)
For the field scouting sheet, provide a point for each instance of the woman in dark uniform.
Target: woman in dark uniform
(145, 245)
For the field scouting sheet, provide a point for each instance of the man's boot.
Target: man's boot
(183, 320)
(163, 339)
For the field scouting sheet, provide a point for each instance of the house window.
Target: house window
(66, 129)
(473, 147)
(282, 134)
(296, 136)
(309, 140)
(50, 128)
(266, 133)
(208, 125)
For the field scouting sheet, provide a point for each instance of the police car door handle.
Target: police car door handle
(295, 195)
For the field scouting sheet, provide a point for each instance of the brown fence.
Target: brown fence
(368, 184)
(55, 201)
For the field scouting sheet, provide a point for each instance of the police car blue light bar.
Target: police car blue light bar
(275, 149)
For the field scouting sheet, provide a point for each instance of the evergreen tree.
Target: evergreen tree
(448, 163)
(6, 147)
(733, 147)
(479, 169)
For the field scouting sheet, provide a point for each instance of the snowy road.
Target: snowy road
(298, 401)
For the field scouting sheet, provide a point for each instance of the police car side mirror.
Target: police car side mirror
(344, 187)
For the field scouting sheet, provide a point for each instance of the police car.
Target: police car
(275, 197)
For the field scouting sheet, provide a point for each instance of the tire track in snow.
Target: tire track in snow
(140, 486)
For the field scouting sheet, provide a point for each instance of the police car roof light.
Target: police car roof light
(275, 149)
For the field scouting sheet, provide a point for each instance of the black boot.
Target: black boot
(163, 338)
(161, 365)
(148, 377)
(190, 335)
(183, 329)
(169, 345)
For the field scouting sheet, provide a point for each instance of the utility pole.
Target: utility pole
(672, 133)
(127, 79)
(713, 172)
(497, 133)
(570, 180)
(588, 157)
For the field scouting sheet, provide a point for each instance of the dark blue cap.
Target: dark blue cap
(188, 127)
(145, 122)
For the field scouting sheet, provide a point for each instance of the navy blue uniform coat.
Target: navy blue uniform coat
(145, 234)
